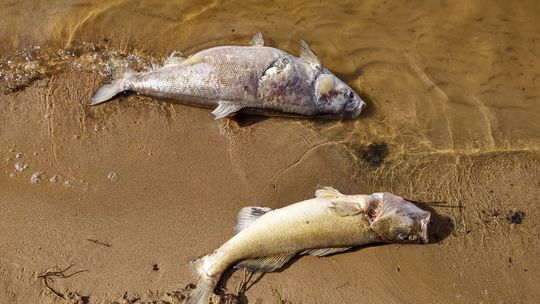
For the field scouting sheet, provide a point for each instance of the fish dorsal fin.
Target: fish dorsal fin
(307, 54)
(226, 108)
(325, 251)
(266, 264)
(174, 59)
(328, 192)
(257, 40)
(248, 215)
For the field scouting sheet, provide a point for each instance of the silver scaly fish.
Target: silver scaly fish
(252, 79)
(331, 222)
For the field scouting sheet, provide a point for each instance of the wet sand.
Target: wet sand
(132, 190)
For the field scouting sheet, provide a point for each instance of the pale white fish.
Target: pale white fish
(253, 79)
(331, 222)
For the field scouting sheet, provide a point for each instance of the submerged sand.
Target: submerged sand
(132, 190)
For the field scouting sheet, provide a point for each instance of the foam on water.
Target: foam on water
(27, 65)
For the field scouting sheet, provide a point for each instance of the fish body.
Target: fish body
(253, 78)
(331, 222)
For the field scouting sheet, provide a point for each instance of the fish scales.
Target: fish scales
(308, 229)
(221, 73)
(312, 226)
(256, 78)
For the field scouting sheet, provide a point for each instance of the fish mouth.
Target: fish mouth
(361, 107)
(354, 114)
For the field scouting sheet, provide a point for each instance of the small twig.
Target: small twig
(98, 242)
(444, 206)
(241, 285)
(279, 299)
(60, 273)
(57, 293)
(251, 274)
(342, 285)
(245, 280)
(438, 204)
(48, 276)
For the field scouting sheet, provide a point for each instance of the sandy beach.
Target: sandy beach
(130, 191)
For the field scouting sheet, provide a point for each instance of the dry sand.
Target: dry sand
(132, 190)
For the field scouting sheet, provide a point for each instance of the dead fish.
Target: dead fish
(255, 78)
(331, 222)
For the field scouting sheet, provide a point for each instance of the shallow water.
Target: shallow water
(453, 116)
(437, 77)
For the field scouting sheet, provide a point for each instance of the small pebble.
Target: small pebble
(20, 167)
(54, 179)
(18, 155)
(37, 177)
(113, 176)
(68, 183)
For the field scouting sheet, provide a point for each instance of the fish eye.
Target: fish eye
(351, 95)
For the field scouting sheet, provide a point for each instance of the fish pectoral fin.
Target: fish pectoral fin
(174, 59)
(257, 40)
(226, 108)
(324, 251)
(327, 192)
(248, 215)
(345, 208)
(266, 264)
(307, 54)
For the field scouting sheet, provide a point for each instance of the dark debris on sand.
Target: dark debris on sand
(374, 154)
(516, 217)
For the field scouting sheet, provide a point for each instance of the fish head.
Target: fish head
(335, 98)
(396, 220)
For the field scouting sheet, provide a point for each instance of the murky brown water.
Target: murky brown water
(462, 77)
(453, 116)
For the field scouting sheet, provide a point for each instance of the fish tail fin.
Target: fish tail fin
(110, 90)
(205, 283)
